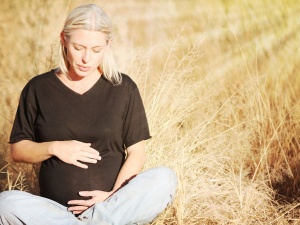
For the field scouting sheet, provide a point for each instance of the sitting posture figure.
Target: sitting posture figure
(86, 123)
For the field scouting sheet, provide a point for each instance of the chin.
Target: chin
(83, 74)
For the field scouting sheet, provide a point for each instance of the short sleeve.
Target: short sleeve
(135, 127)
(23, 126)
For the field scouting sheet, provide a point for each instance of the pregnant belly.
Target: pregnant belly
(62, 182)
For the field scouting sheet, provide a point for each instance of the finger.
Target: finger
(80, 203)
(89, 155)
(90, 150)
(81, 165)
(86, 160)
(77, 208)
(77, 212)
(87, 193)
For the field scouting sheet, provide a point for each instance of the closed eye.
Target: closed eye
(77, 47)
(97, 49)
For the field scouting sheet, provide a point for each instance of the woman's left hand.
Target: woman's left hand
(78, 206)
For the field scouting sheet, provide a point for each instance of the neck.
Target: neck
(79, 84)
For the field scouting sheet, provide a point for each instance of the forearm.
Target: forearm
(31, 152)
(133, 164)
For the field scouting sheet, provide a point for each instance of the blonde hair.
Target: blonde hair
(90, 17)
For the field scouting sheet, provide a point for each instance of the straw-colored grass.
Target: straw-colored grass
(221, 89)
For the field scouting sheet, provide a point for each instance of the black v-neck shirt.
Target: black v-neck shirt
(110, 117)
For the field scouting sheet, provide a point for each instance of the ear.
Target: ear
(63, 38)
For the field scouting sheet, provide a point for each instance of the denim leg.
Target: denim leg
(18, 208)
(138, 202)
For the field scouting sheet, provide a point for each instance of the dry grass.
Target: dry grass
(221, 89)
(17, 183)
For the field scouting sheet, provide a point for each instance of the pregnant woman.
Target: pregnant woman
(86, 124)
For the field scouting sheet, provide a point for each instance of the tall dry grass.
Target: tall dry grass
(221, 89)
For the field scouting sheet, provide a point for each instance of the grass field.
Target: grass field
(221, 86)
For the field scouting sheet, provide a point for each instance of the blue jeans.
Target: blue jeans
(138, 202)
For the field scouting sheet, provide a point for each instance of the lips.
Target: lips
(83, 68)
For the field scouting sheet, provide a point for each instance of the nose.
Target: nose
(86, 56)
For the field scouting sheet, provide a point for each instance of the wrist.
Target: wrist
(51, 148)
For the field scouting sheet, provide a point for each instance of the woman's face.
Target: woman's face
(84, 52)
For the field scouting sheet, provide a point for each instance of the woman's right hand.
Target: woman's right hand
(75, 152)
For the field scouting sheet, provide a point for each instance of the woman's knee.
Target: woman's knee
(7, 195)
(5, 200)
(8, 198)
(163, 178)
(164, 175)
